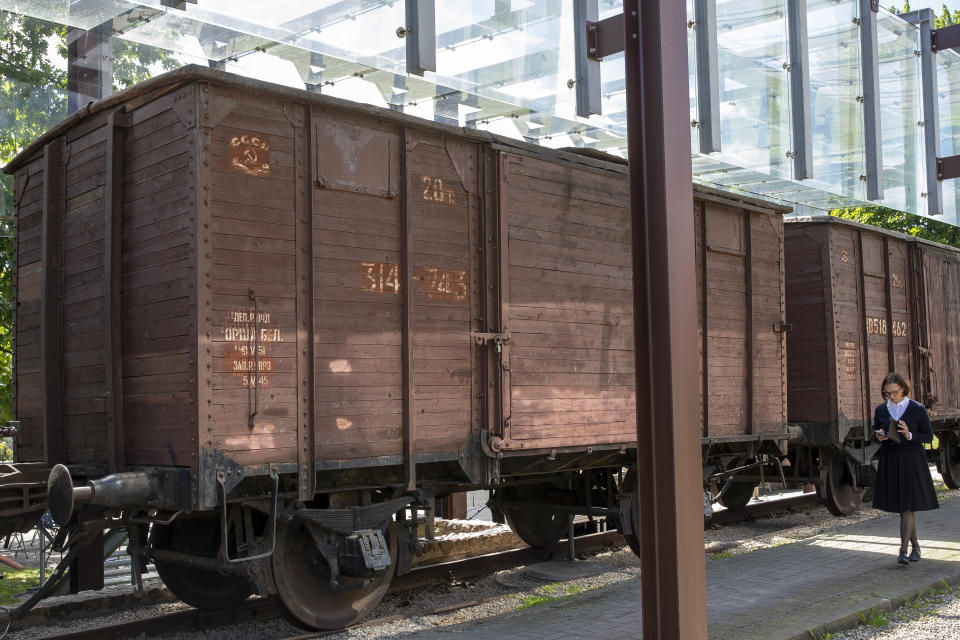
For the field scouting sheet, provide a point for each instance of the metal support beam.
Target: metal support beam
(945, 37)
(421, 35)
(665, 330)
(800, 90)
(924, 18)
(870, 69)
(708, 77)
(89, 65)
(948, 168)
(587, 64)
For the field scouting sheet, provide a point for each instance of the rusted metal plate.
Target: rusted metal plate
(359, 157)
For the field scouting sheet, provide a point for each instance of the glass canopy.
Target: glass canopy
(508, 66)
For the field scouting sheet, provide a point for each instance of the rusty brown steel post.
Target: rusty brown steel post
(661, 201)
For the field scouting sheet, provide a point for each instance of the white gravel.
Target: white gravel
(504, 591)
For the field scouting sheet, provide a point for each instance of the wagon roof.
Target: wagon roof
(166, 82)
(828, 219)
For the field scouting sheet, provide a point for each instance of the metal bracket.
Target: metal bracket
(783, 327)
(212, 463)
(477, 460)
(945, 38)
(420, 33)
(948, 168)
(272, 539)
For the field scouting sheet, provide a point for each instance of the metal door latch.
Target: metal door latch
(498, 339)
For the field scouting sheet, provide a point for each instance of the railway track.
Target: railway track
(195, 621)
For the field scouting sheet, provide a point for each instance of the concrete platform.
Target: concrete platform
(791, 592)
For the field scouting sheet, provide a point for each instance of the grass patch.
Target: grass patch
(874, 618)
(532, 601)
(551, 593)
(721, 554)
(15, 583)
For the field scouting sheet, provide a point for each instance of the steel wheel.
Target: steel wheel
(539, 528)
(199, 588)
(630, 487)
(738, 494)
(303, 584)
(842, 498)
(949, 463)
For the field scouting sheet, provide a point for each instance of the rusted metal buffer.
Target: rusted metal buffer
(273, 326)
(864, 302)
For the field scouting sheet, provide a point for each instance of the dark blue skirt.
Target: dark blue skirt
(903, 481)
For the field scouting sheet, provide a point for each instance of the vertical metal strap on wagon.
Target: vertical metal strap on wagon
(406, 275)
(51, 302)
(503, 295)
(888, 295)
(704, 318)
(748, 324)
(864, 335)
(306, 434)
(117, 123)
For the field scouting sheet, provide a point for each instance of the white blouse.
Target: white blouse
(897, 409)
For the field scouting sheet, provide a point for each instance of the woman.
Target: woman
(903, 482)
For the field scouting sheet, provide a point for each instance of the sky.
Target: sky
(936, 5)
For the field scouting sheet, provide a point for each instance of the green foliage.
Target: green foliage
(874, 618)
(721, 554)
(33, 98)
(915, 225)
(945, 19)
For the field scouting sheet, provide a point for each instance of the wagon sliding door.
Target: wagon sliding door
(393, 276)
(569, 306)
(939, 339)
(741, 314)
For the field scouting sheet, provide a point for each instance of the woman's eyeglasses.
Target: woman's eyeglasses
(887, 394)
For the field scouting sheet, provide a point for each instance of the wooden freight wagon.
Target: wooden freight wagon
(277, 319)
(863, 302)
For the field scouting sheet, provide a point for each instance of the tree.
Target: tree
(33, 98)
(945, 19)
(915, 225)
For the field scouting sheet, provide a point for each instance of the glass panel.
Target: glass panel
(33, 97)
(505, 66)
(948, 90)
(901, 104)
(836, 113)
(754, 85)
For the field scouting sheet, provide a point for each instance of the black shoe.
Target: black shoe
(914, 555)
(902, 558)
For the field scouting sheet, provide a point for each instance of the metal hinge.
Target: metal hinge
(925, 352)
(783, 327)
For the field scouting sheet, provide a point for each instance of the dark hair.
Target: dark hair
(895, 378)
